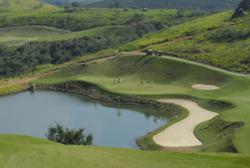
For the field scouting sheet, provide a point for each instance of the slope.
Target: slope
(177, 4)
(20, 5)
(24, 152)
(217, 40)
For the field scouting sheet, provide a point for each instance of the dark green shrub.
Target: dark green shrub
(66, 136)
(243, 7)
(229, 34)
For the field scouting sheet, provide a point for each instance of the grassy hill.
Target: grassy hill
(64, 2)
(87, 30)
(177, 4)
(20, 5)
(88, 18)
(216, 40)
(18, 36)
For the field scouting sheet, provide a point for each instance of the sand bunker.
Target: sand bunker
(181, 134)
(204, 87)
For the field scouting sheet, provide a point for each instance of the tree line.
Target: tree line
(16, 60)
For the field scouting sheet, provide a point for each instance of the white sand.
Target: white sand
(181, 134)
(204, 87)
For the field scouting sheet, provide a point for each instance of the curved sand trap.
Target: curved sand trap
(181, 134)
(204, 87)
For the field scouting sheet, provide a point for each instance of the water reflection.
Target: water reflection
(31, 114)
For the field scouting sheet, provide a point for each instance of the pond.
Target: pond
(31, 114)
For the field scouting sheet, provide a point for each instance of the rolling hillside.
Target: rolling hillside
(19, 5)
(179, 4)
(63, 2)
(217, 40)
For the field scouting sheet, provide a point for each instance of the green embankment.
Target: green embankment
(27, 152)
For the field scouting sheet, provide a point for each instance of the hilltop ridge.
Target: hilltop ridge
(178, 4)
(20, 5)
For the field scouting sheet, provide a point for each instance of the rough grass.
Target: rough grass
(93, 17)
(168, 34)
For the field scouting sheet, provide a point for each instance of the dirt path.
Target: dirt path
(181, 134)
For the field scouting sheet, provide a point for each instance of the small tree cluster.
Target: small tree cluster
(241, 10)
(66, 136)
(72, 7)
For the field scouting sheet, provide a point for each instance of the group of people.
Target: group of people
(142, 82)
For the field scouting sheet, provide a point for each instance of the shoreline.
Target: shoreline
(176, 112)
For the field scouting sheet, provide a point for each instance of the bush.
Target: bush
(229, 35)
(66, 136)
(243, 7)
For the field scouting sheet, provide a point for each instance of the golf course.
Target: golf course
(141, 87)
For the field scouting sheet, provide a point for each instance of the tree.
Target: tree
(75, 4)
(66, 136)
(243, 7)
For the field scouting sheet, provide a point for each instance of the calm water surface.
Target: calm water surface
(31, 113)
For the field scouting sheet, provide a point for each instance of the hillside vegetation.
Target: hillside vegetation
(177, 4)
(65, 2)
(34, 38)
(21, 5)
(217, 40)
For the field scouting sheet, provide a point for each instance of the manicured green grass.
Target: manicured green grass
(27, 152)
(168, 77)
(142, 75)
